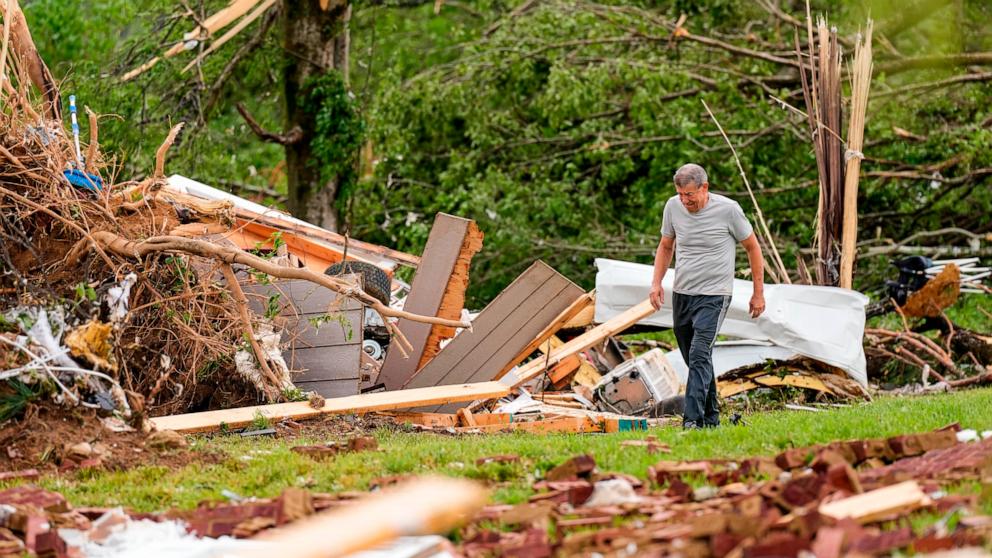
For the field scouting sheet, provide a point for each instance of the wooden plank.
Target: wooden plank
(302, 334)
(425, 506)
(367, 402)
(562, 424)
(606, 329)
(330, 355)
(556, 425)
(444, 245)
(730, 388)
(566, 367)
(488, 321)
(465, 417)
(274, 222)
(896, 499)
(583, 301)
(297, 297)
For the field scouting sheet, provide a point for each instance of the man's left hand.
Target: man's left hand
(757, 305)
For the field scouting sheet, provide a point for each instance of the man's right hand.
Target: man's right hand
(657, 296)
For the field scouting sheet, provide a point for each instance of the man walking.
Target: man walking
(702, 229)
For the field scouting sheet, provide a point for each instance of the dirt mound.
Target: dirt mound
(51, 437)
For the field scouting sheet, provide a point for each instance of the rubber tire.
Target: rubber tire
(374, 280)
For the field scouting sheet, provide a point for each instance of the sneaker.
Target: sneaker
(690, 425)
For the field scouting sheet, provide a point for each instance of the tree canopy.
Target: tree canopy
(557, 124)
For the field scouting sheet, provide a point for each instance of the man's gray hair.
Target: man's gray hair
(690, 173)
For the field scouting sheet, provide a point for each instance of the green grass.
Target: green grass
(265, 466)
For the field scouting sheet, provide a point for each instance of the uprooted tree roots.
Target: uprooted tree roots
(155, 304)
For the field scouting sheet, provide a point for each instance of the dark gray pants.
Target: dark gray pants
(697, 321)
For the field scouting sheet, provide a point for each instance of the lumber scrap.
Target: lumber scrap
(606, 329)
(501, 331)
(446, 420)
(584, 317)
(896, 499)
(438, 289)
(581, 304)
(403, 399)
(424, 506)
(564, 369)
(805, 381)
(564, 424)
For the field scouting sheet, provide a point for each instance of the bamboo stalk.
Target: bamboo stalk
(860, 82)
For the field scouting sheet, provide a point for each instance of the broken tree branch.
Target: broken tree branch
(295, 135)
(242, 303)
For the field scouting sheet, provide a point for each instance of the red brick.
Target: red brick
(578, 466)
(777, 545)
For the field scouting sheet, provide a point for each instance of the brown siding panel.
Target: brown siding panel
(444, 245)
(329, 357)
(504, 328)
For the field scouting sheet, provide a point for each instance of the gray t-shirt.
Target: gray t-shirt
(704, 244)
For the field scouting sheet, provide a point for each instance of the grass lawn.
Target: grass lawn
(265, 466)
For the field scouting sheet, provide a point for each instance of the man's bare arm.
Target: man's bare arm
(754, 257)
(662, 260)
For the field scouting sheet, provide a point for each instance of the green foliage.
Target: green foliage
(339, 129)
(559, 132)
(85, 292)
(15, 396)
(259, 421)
(317, 321)
(557, 129)
(272, 306)
(294, 394)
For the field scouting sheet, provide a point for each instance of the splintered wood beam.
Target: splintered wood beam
(606, 329)
(877, 504)
(424, 506)
(403, 399)
(453, 299)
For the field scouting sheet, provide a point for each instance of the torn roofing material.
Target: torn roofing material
(257, 216)
(823, 323)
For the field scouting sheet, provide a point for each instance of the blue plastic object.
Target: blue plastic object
(82, 179)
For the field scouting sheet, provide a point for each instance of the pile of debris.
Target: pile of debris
(546, 356)
(838, 499)
(856, 497)
(124, 296)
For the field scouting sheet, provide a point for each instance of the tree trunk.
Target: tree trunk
(316, 41)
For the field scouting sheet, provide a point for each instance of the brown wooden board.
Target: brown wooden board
(444, 245)
(507, 325)
(548, 332)
(330, 389)
(595, 335)
(328, 356)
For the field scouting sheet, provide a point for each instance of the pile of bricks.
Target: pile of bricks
(759, 507)
(750, 508)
